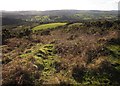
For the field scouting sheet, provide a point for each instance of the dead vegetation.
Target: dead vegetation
(83, 57)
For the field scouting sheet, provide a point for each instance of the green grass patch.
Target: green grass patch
(48, 26)
(75, 25)
(114, 57)
(44, 58)
(115, 49)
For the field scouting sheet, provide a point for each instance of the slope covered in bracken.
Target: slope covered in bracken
(82, 53)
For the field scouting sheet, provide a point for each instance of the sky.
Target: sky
(42, 5)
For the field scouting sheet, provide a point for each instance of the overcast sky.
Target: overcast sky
(16, 5)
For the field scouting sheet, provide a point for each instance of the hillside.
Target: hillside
(61, 53)
(61, 15)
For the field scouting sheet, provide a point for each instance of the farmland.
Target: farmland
(48, 26)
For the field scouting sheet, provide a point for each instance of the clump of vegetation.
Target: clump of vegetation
(114, 48)
(5, 35)
(22, 31)
(45, 59)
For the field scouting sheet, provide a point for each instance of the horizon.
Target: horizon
(46, 5)
(52, 10)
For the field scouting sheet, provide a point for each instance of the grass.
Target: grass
(115, 49)
(45, 58)
(47, 26)
(75, 25)
(115, 54)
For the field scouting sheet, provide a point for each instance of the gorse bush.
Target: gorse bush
(5, 35)
(21, 32)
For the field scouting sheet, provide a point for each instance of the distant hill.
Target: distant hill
(60, 15)
(59, 12)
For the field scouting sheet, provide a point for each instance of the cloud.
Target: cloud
(58, 4)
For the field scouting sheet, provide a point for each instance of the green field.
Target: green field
(46, 26)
